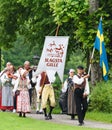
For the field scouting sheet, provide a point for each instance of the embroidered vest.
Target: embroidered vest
(44, 79)
(82, 86)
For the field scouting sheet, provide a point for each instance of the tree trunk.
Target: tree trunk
(96, 72)
(93, 4)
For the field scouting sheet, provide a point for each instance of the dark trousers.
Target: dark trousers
(30, 95)
(14, 101)
(81, 104)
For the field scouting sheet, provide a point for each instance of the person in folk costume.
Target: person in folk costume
(36, 79)
(29, 75)
(7, 86)
(1, 73)
(47, 94)
(23, 100)
(81, 93)
(63, 99)
(71, 103)
(14, 83)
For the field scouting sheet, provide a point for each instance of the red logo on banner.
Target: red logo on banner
(54, 54)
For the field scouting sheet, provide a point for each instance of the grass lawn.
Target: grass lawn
(10, 121)
(99, 116)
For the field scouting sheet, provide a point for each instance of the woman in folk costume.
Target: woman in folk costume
(69, 87)
(1, 74)
(23, 100)
(7, 86)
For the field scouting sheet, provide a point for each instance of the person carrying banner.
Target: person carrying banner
(81, 93)
(47, 94)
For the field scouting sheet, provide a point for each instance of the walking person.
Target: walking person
(81, 93)
(23, 100)
(8, 64)
(29, 75)
(69, 88)
(36, 80)
(7, 97)
(71, 95)
(47, 94)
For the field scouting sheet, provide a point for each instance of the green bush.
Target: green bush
(101, 97)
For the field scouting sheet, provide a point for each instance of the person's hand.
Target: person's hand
(86, 76)
(84, 95)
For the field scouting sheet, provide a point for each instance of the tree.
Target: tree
(29, 22)
(85, 23)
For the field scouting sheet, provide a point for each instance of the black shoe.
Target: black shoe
(20, 114)
(72, 117)
(80, 124)
(50, 117)
(37, 112)
(24, 115)
(41, 112)
(46, 118)
(3, 110)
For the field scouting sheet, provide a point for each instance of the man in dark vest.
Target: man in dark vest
(81, 93)
(30, 75)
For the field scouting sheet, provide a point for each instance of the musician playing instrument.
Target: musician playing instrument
(7, 86)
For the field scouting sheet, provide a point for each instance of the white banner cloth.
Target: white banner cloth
(53, 56)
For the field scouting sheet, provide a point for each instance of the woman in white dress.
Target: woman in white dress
(23, 101)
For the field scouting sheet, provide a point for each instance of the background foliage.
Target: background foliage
(101, 97)
(25, 23)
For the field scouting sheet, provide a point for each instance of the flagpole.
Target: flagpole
(91, 60)
(57, 30)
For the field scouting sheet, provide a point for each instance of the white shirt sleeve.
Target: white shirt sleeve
(15, 85)
(64, 88)
(37, 86)
(4, 78)
(78, 80)
(87, 90)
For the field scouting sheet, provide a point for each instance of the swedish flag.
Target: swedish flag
(99, 45)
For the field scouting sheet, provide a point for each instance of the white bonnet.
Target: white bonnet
(71, 70)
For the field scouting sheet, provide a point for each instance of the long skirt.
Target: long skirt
(71, 102)
(23, 102)
(7, 98)
(63, 102)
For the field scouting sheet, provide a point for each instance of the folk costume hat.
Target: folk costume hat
(71, 70)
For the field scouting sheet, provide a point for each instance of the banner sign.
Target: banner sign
(54, 55)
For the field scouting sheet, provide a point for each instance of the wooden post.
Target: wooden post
(57, 30)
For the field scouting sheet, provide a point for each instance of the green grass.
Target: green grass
(10, 121)
(99, 116)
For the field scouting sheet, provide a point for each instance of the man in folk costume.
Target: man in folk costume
(29, 75)
(81, 93)
(47, 93)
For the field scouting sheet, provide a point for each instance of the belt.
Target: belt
(47, 84)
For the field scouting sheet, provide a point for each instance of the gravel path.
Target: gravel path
(65, 119)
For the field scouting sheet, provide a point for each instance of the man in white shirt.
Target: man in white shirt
(81, 93)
